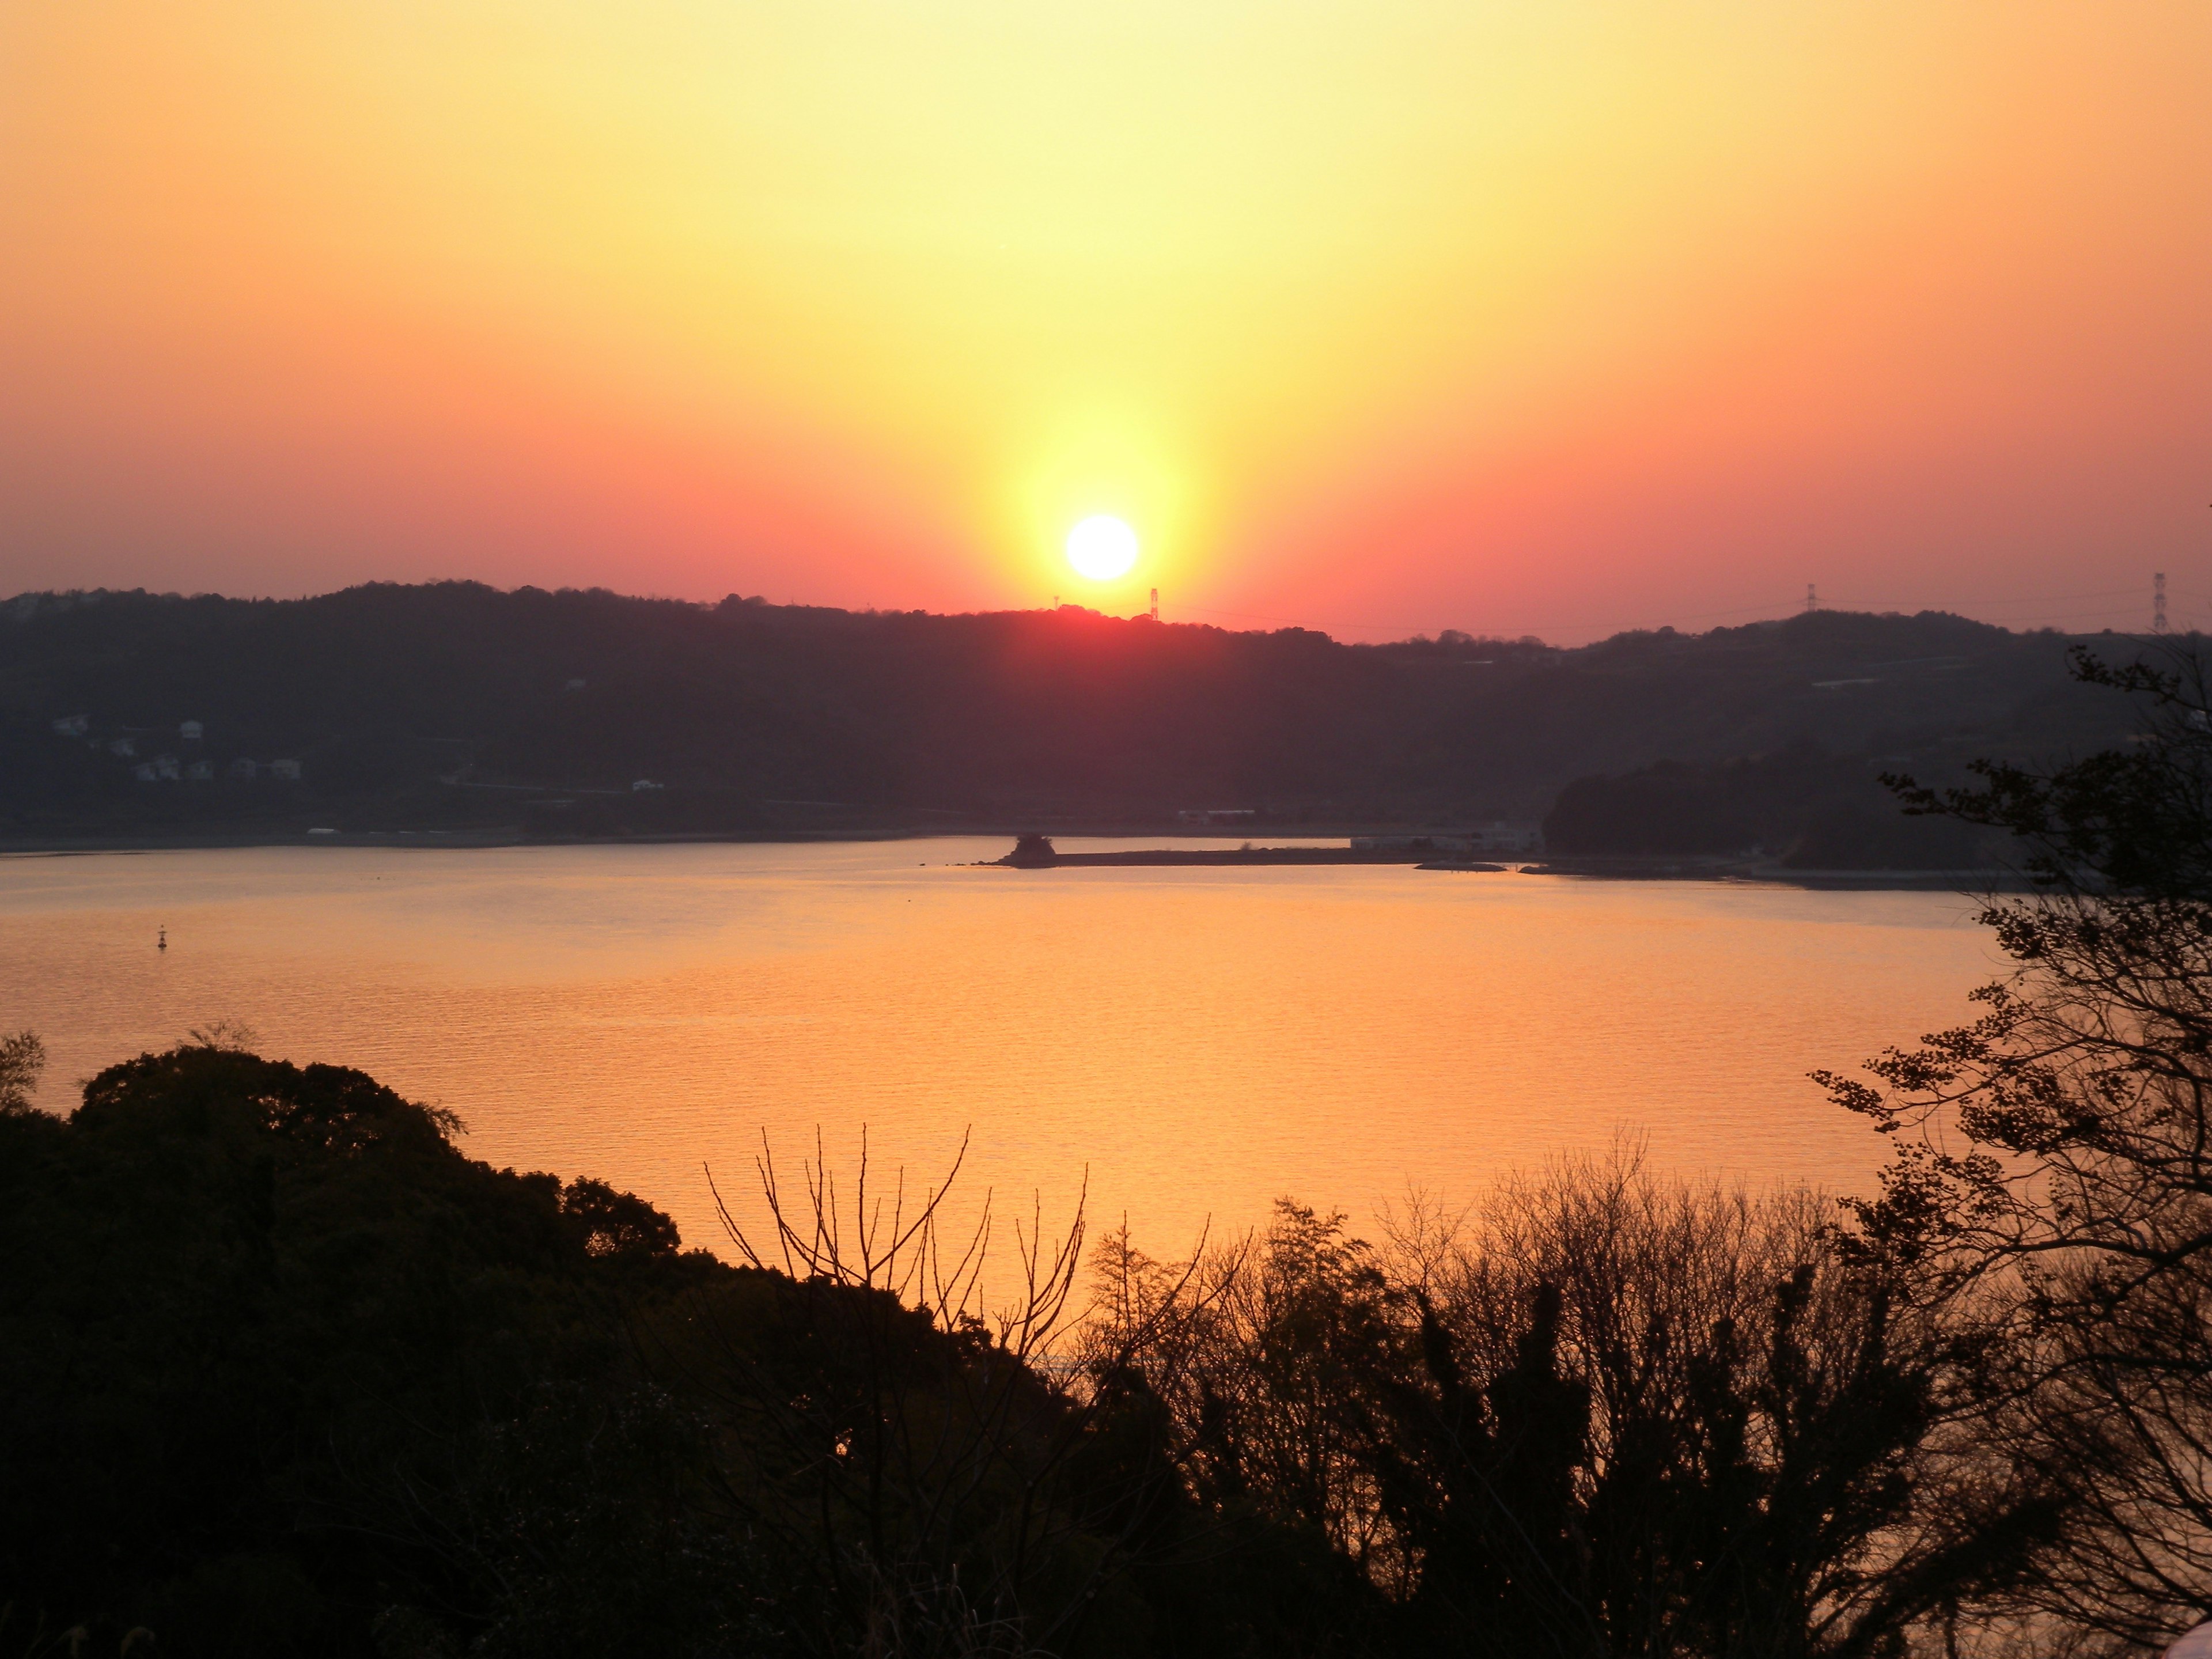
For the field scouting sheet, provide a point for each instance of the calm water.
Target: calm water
(1202, 1041)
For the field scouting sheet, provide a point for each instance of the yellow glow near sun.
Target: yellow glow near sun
(1101, 457)
(1102, 547)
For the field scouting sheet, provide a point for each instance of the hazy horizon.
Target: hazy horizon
(1230, 621)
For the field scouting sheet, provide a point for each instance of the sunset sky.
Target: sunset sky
(1516, 316)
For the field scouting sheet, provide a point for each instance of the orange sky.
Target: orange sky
(1510, 315)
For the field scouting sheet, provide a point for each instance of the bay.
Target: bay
(1191, 1042)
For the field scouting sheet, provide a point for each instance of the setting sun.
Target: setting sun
(1101, 548)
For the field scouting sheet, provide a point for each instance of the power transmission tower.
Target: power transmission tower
(1156, 602)
(2158, 602)
(1812, 597)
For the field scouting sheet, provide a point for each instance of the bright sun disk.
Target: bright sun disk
(1101, 548)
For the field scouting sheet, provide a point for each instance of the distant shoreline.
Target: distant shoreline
(509, 835)
(1730, 871)
(498, 835)
(1726, 872)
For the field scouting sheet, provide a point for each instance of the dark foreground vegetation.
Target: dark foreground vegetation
(283, 1371)
(459, 709)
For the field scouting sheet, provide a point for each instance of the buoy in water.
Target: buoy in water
(162, 938)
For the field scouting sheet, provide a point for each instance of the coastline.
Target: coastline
(1722, 872)
(1758, 872)
(1656, 868)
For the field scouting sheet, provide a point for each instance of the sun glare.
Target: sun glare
(1101, 548)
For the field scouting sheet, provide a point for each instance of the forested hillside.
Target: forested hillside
(459, 706)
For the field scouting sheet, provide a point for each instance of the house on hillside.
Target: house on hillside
(286, 770)
(200, 771)
(72, 726)
(190, 732)
(125, 747)
(242, 768)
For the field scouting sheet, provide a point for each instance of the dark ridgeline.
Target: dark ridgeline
(456, 706)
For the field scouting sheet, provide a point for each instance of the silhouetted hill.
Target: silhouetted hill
(457, 705)
(1800, 807)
